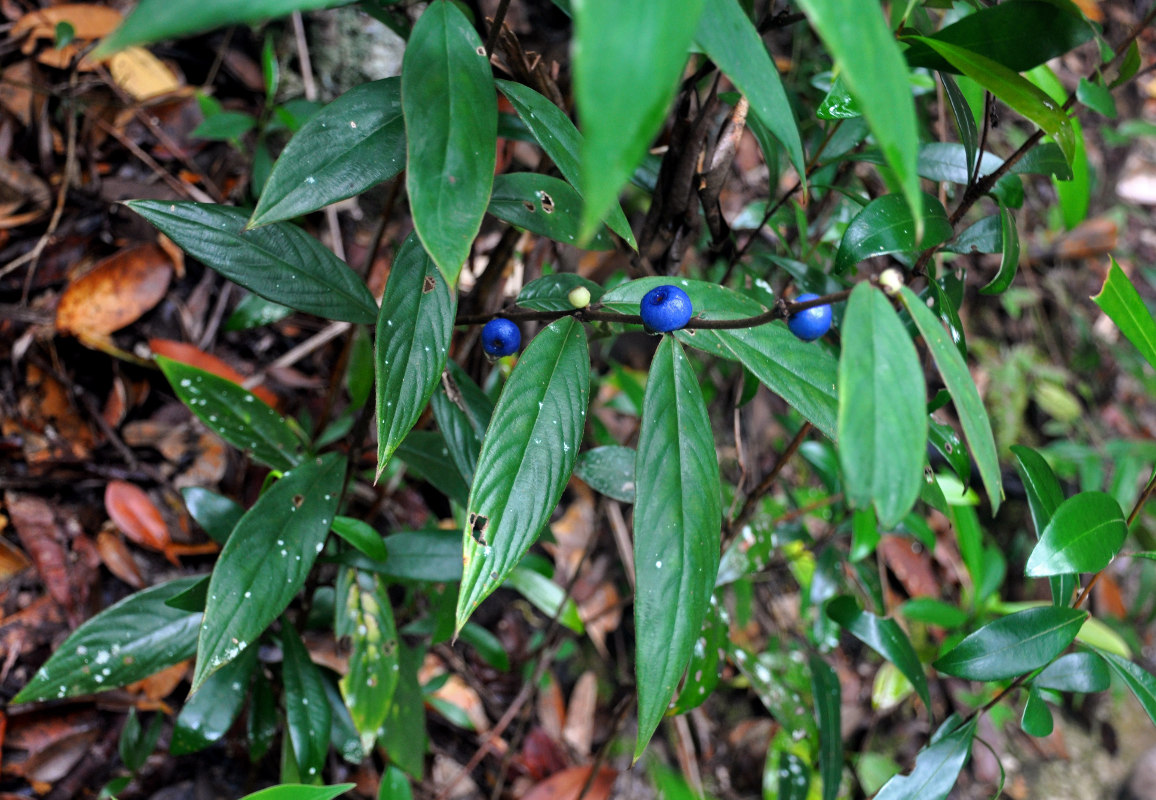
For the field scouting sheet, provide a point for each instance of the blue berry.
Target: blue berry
(812, 323)
(665, 308)
(500, 337)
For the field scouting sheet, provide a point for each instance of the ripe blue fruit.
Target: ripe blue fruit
(812, 323)
(500, 337)
(665, 308)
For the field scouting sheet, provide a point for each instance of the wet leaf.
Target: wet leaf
(115, 292)
(131, 509)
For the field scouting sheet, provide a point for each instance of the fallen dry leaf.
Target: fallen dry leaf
(568, 785)
(118, 559)
(131, 509)
(195, 357)
(48, 424)
(115, 292)
(578, 732)
(141, 74)
(12, 559)
(44, 541)
(161, 684)
(88, 21)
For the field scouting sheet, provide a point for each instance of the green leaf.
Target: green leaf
(546, 596)
(224, 126)
(648, 42)
(794, 775)
(677, 529)
(361, 535)
(882, 412)
(838, 102)
(828, 697)
(404, 736)
(394, 785)
(413, 335)
(266, 560)
(428, 458)
(1083, 535)
(307, 714)
(552, 292)
(369, 684)
(948, 161)
(608, 470)
(1138, 680)
(1012, 89)
(1048, 159)
(208, 715)
(1037, 717)
(527, 456)
(703, 673)
(290, 791)
(355, 142)
(153, 20)
(1075, 194)
(870, 63)
(1075, 672)
(1010, 254)
(253, 312)
(543, 205)
(725, 33)
(130, 640)
(950, 446)
(280, 262)
(885, 637)
(462, 411)
(1044, 496)
(937, 767)
(240, 418)
(343, 735)
(136, 744)
(964, 118)
(985, 236)
(1013, 645)
(262, 723)
(216, 514)
(885, 225)
(451, 124)
(933, 612)
(1122, 303)
(561, 141)
(972, 416)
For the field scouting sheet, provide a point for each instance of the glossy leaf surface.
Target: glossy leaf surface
(369, 685)
(307, 714)
(267, 559)
(1083, 535)
(297, 791)
(677, 526)
(608, 470)
(552, 292)
(1037, 717)
(207, 715)
(128, 641)
(527, 456)
(1044, 496)
(1123, 304)
(1009, 255)
(1013, 645)
(885, 637)
(1075, 672)
(413, 335)
(451, 123)
(886, 225)
(352, 144)
(1138, 680)
(280, 262)
(543, 205)
(828, 696)
(216, 514)
(937, 767)
(882, 417)
(972, 416)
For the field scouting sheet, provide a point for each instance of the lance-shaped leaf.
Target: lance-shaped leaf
(886, 225)
(266, 560)
(413, 335)
(1044, 496)
(462, 411)
(544, 205)
(280, 262)
(730, 39)
(872, 66)
(937, 767)
(562, 142)
(552, 292)
(1138, 680)
(1075, 672)
(240, 418)
(1083, 535)
(677, 527)
(297, 791)
(964, 118)
(828, 697)
(882, 413)
(369, 685)
(527, 456)
(207, 716)
(355, 142)
(127, 641)
(1009, 252)
(451, 123)
(972, 416)
(647, 41)
(608, 470)
(307, 712)
(1013, 645)
(1123, 304)
(885, 637)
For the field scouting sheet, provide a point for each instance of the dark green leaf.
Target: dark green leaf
(224, 126)
(677, 527)
(794, 776)
(241, 418)
(428, 457)
(703, 673)
(216, 514)
(1122, 303)
(964, 118)
(1128, 67)
(280, 262)
(369, 684)
(828, 697)
(1010, 255)
(552, 292)
(953, 370)
(937, 767)
(1019, 35)
(948, 162)
(1013, 645)
(208, 714)
(433, 556)
(872, 66)
(1075, 672)
(1044, 496)
(262, 723)
(1083, 535)
(885, 637)
(451, 123)
(307, 714)
(128, 641)
(950, 446)
(255, 311)
(985, 236)
(404, 737)
(488, 646)
(343, 735)
(394, 785)
(885, 225)
(462, 411)
(562, 142)
(543, 205)
(1037, 717)
(933, 612)
(413, 334)
(726, 34)
(300, 792)
(1138, 680)
(361, 535)
(355, 142)
(137, 743)
(526, 459)
(608, 470)
(1045, 159)
(648, 42)
(266, 560)
(882, 421)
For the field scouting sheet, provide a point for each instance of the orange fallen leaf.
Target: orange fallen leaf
(88, 21)
(161, 684)
(195, 357)
(12, 559)
(568, 785)
(141, 74)
(118, 559)
(138, 517)
(115, 292)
